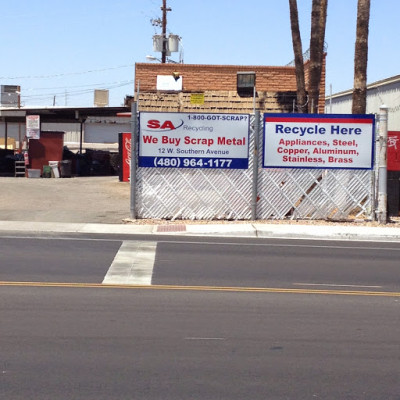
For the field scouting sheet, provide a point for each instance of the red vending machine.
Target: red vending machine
(125, 156)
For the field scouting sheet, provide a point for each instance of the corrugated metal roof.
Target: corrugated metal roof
(59, 114)
(383, 82)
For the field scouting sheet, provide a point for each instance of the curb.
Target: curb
(284, 231)
(321, 232)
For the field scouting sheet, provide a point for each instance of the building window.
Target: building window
(246, 81)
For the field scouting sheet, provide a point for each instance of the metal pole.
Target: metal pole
(134, 128)
(373, 196)
(5, 134)
(254, 99)
(137, 94)
(382, 172)
(80, 137)
(19, 123)
(254, 194)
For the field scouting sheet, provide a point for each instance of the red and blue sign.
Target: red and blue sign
(318, 141)
(194, 140)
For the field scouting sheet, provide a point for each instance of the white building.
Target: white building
(386, 91)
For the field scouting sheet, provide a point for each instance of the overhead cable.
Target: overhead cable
(66, 73)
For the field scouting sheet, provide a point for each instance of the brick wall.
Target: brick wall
(276, 88)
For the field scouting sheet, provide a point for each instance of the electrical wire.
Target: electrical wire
(67, 73)
(50, 97)
(113, 85)
(94, 85)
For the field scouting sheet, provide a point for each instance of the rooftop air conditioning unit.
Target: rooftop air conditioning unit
(101, 98)
(10, 95)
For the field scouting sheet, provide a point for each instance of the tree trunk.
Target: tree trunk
(318, 24)
(361, 58)
(302, 105)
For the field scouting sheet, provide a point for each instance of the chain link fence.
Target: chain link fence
(254, 193)
(327, 194)
(179, 193)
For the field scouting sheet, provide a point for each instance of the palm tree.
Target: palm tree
(318, 24)
(302, 103)
(361, 58)
(298, 58)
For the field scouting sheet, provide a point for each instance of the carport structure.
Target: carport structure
(56, 115)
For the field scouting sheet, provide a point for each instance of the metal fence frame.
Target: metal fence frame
(255, 193)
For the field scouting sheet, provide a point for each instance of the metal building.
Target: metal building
(386, 91)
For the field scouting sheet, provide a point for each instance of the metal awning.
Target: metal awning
(59, 114)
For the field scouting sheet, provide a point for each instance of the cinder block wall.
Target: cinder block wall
(276, 88)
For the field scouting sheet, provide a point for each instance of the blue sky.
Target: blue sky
(59, 51)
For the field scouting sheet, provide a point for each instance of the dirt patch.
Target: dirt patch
(83, 199)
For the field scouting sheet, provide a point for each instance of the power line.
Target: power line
(67, 73)
(103, 85)
(76, 92)
(50, 97)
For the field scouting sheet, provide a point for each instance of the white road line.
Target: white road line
(306, 246)
(204, 338)
(336, 285)
(371, 248)
(133, 264)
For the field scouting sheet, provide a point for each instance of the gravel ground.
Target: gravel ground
(98, 200)
(83, 199)
(392, 222)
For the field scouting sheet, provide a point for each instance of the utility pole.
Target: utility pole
(164, 31)
(19, 123)
(134, 141)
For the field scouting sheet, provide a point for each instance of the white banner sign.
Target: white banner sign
(192, 140)
(318, 141)
(33, 126)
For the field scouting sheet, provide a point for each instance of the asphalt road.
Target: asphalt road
(62, 338)
(226, 262)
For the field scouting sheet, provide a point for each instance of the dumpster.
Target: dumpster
(65, 168)
(393, 193)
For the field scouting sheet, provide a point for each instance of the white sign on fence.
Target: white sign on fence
(193, 140)
(318, 141)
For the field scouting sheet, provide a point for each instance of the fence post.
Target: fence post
(133, 183)
(372, 211)
(254, 194)
(382, 171)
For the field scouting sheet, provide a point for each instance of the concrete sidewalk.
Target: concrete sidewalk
(288, 231)
(102, 204)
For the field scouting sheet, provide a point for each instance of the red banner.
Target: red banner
(393, 151)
